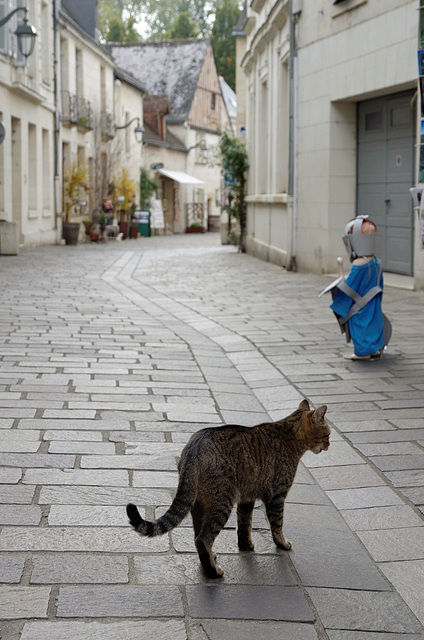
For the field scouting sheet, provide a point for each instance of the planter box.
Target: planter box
(9, 238)
(70, 232)
(195, 230)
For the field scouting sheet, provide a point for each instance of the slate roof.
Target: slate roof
(171, 141)
(230, 98)
(170, 66)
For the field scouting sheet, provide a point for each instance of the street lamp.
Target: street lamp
(202, 144)
(25, 32)
(139, 130)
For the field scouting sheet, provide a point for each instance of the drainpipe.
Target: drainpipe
(294, 8)
(57, 168)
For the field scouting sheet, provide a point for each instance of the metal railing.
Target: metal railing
(76, 110)
(195, 214)
(69, 107)
(85, 114)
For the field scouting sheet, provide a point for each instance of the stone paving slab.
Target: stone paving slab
(106, 539)
(20, 515)
(347, 477)
(165, 630)
(326, 553)
(11, 568)
(69, 568)
(394, 544)
(219, 629)
(103, 496)
(17, 494)
(363, 611)
(370, 635)
(128, 601)
(17, 602)
(248, 603)
(407, 578)
(382, 518)
(88, 516)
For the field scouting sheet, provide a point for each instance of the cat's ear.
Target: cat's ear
(318, 415)
(304, 405)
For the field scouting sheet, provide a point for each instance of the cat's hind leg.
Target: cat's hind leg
(214, 519)
(244, 526)
(275, 514)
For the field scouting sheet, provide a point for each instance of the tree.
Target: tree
(183, 27)
(160, 15)
(234, 166)
(118, 19)
(148, 187)
(224, 43)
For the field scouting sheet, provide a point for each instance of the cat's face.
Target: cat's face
(323, 444)
(320, 430)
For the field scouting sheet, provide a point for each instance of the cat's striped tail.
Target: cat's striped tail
(176, 513)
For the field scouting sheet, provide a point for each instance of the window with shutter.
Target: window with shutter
(4, 5)
(18, 58)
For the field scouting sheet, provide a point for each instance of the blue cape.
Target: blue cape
(367, 326)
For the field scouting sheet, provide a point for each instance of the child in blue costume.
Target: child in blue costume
(357, 300)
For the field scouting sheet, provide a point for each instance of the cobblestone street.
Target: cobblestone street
(111, 356)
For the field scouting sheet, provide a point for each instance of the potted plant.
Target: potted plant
(124, 200)
(88, 223)
(195, 227)
(74, 180)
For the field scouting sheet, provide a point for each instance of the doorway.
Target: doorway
(385, 174)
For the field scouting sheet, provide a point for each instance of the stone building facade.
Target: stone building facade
(333, 129)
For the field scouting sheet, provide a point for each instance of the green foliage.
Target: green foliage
(122, 31)
(234, 166)
(118, 19)
(161, 15)
(183, 27)
(75, 179)
(148, 187)
(224, 43)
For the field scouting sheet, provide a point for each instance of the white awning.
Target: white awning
(180, 176)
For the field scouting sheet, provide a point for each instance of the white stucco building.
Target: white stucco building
(65, 105)
(333, 124)
(27, 111)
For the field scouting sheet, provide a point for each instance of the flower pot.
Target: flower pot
(123, 228)
(195, 230)
(70, 232)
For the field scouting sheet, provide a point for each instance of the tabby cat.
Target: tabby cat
(220, 466)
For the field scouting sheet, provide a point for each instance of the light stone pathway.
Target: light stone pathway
(111, 357)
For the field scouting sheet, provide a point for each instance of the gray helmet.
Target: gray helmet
(358, 243)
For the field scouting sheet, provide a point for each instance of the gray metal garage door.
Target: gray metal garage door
(385, 174)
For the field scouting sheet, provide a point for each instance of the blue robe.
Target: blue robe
(367, 326)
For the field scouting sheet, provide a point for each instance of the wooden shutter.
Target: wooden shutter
(4, 5)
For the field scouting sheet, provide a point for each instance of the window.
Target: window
(8, 40)
(46, 170)
(45, 49)
(373, 121)
(78, 73)
(213, 101)
(32, 168)
(4, 31)
(400, 116)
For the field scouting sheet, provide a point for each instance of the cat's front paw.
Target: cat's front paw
(284, 543)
